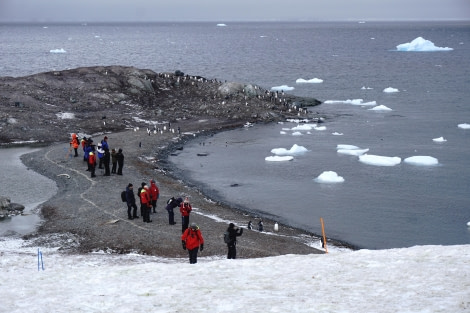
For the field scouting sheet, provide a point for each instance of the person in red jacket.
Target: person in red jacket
(185, 209)
(192, 239)
(75, 143)
(154, 194)
(92, 163)
(146, 203)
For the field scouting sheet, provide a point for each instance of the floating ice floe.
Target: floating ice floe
(282, 88)
(421, 160)
(464, 126)
(329, 177)
(352, 102)
(380, 108)
(391, 90)
(440, 139)
(277, 158)
(58, 51)
(378, 160)
(350, 150)
(282, 132)
(221, 25)
(337, 134)
(420, 44)
(350, 147)
(355, 152)
(309, 81)
(366, 88)
(304, 127)
(295, 150)
(296, 134)
(65, 116)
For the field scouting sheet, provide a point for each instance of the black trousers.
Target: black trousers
(113, 169)
(154, 205)
(185, 223)
(146, 212)
(232, 251)
(171, 217)
(193, 255)
(129, 209)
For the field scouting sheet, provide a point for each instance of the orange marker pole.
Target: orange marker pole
(323, 233)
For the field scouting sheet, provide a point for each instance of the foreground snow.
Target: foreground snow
(417, 279)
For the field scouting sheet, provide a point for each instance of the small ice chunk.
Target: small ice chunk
(279, 158)
(329, 177)
(440, 139)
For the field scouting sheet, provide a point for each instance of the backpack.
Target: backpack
(123, 196)
(170, 200)
(227, 237)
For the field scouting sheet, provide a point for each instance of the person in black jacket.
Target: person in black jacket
(120, 161)
(232, 245)
(171, 204)
(130, 198)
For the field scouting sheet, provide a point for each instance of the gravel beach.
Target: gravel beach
(88, 215)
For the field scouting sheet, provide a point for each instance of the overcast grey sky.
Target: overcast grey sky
(230, 10)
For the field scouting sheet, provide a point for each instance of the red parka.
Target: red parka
(145, 196)
(185, 208)
(91, 158)
(192, 238)
(154, 192)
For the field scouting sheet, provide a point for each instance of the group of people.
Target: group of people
(99, 155)
(148, 197)
(191, 238)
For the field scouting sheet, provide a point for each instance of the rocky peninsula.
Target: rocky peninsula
(148, 115)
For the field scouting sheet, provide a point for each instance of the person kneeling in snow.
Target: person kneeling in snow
(192, 239)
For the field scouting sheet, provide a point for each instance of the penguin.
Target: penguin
(250, 225)
(276, 227)
(260, 225)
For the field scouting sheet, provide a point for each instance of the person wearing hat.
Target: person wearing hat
(104, 143)
(146, 203)
(92, 163)
(192, 240)
(75, 143)
(100, 152)
(130, 198)
(233, 233)
(185, 209)
(154, 194)
(170, 205)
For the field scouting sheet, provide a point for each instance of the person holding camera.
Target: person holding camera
(233, 233)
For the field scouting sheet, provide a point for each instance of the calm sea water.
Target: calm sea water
(376, 207)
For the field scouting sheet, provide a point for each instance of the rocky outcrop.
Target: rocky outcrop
(48, 107)
(8, 209)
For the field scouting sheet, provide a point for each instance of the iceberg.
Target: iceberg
(309, 81)
(349, 147)
(329, 177)
(352, 102)
(282, 88)
(337, 134)
(221, 25)
(440, 139)
(355, 152)
(390, 90)
(420, 44)
(378, 160)
(296, 134)
(421, 160)
(380, 108)
(295, 150)
(464, 126)
(279, 158)
(61, 50)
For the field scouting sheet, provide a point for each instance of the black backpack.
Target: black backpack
(227, 237)
(170, 200)
(123, 196)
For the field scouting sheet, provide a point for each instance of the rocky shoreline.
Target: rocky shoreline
(87, 214)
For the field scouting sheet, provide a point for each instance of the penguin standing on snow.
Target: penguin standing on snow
(260, 225)
(250, 225)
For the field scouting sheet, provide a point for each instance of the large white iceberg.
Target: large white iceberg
(295, 150)
(421, 44)
(379, 160)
